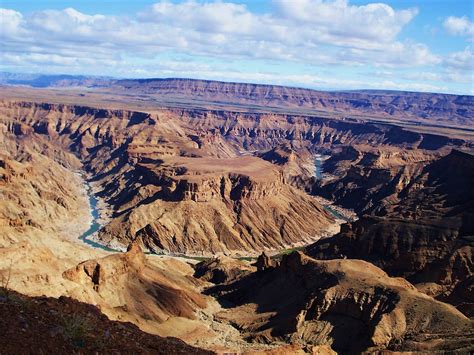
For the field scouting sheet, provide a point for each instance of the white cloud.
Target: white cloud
(459, 26)
(369, 22)
(10, 23)
(423, 76)
(394, 55)
(297, 32)
(293, 26)
(210, 18)
(317, 31)
(463, 60)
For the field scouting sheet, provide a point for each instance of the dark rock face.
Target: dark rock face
(462, 296)
(49, 325)
(400, 247)
(264, 262)
(349, 304)
(221, 269)
(426, 232)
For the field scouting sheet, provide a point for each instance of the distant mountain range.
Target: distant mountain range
(45, 80)
(418, 108)
(62, 80)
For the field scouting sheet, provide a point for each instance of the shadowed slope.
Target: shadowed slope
(426, 232)
(44, 325)
(349, 304)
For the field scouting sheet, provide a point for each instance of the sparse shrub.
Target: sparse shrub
(76, 328)
(102, 342)
(5, 277)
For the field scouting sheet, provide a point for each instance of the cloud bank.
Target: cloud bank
(300, 33)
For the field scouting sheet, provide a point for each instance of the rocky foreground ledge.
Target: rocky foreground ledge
(32, 325)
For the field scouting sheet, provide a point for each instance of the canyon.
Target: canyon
(196, 179)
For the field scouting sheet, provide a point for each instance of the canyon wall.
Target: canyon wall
(197, 180)
(421, 107)
(416, 221)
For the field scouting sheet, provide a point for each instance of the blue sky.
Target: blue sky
(323, 44)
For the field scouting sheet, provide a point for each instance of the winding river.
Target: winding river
(96, 225)
(318, 172)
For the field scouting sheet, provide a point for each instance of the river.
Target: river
(318, 173)
(95, 225)
(318, 170)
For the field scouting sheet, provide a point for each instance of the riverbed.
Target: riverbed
(318, 170)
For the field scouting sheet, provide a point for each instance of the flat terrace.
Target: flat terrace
(197, 169)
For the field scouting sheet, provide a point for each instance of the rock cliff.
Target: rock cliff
(422, 230)
(419, 106)
(132, 287)
(349, 305)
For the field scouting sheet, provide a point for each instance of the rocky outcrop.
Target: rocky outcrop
(131, 284)
(222, 269)
(97, 272)
(221, 225)
(349, 305)
(214, 179)
(422, 231)
(264, 262)
(157, 294)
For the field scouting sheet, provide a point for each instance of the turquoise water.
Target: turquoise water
(336, 214)
(95, 225)
(318, 171)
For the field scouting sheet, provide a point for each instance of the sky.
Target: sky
(424, 45)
